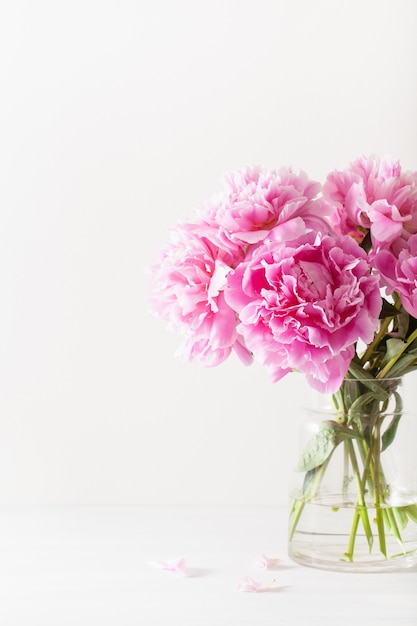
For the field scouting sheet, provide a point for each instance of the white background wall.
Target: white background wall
(116, 119)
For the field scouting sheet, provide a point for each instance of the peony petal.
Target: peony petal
(303, 306)
(263, 562)
(248, 585)
(178, 566)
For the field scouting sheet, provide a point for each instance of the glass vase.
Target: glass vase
(354, 496)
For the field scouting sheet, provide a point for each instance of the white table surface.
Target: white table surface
(91, 566)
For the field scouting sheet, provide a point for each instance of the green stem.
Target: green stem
(378, 337)
(392, 362)
(367, 465)
(411, 510)
(391, 523)
(381, 530)
(352, 536)
(363, 425)
(379, 485)
(361, 510)
(345, 484)
(401, 513)
(298, 504)
(295, 514)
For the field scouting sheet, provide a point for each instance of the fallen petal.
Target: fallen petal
(263, 562)
(177, 566)
(250, 585)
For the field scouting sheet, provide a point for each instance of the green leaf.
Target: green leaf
(309, 479)
(403, 323)
(389, 435)
(412, 347)
(394, 346)
(402, 366)
(392, 526)
(412, 368)
(369, 381)
(412, 512)
(402, 516)
(351, 392)
(322, 444)
(357, 408)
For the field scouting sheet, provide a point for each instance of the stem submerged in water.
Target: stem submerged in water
(309, 492)
(361, 509)
(361, 406)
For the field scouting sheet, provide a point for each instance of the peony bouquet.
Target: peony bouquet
(320, 279)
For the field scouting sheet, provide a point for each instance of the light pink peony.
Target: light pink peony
(374, 194)
(188, 283)
(187, 291)
(305, 304)
(278, 204)
(399, 274)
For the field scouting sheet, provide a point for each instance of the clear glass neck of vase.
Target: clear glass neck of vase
(360, 395)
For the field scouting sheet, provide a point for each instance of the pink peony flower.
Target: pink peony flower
(400, 274)
(304, 305)
(279, 204)
(188, 283)
(373, 193)
(187, 291)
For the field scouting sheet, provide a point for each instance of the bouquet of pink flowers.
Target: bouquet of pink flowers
(320, 279)
(283, 270)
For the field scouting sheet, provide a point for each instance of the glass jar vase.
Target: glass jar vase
(354, 494)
